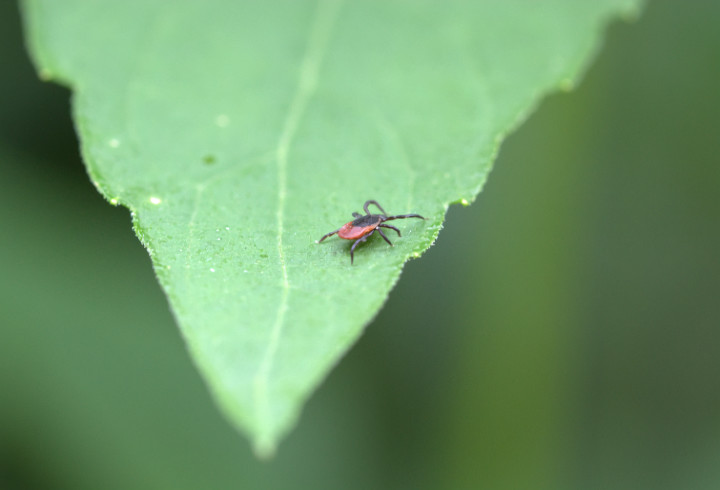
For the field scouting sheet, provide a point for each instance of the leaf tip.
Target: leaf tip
(264, 448)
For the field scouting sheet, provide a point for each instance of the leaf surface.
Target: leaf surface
(238, 133)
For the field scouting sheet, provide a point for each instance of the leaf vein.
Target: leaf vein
(318, 40)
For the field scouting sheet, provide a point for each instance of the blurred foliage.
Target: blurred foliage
(563, 333)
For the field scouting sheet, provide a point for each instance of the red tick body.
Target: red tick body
(360, 227)
(363, 226)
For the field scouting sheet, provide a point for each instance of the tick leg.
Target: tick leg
(392, 228)
(403, 216)
(329, 234)
(368, 203)
(357, 215)
(358, 241)
(384, 237)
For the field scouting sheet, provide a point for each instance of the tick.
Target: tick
(363, 226)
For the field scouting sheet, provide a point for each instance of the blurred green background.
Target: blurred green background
(563, 332)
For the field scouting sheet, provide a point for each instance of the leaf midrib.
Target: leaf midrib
(324, 18)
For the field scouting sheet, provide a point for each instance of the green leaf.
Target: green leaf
(238, 133)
